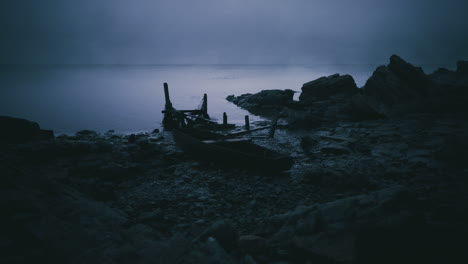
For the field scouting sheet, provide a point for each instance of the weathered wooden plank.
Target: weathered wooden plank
(271, 133)
(166, 96)
(224, 119)
(200, 118)
(185, 111)
(246, 132)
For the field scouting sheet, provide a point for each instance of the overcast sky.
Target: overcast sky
(232, 31)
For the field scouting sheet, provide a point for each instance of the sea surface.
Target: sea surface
(129, 98)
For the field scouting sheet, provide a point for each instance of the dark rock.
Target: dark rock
(331, 229)
(398, 83)
(232, 98)
(142, 142)
(444, 76)
(387, 88)
(113, 172)
(132, 138)
(362, 107)
(46, 134)
(451, 94)
(335, 150)
(307, 143)
(156, 131)
(208, 252)
(454, 151)
(304, 119)
(224, 232)
(263, 103)
(17, 130)
(326, 87)
(339, 179)
(449, 80)
(82, 147)
(413, 76)
(462, 67)
(86, 134)
(399, 88)
(411, 243)
(252, 244)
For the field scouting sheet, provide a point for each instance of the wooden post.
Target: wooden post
(271, 133)
(224, 119)
(167, 120)
(166, 96)
(247, 122)
(204, 108)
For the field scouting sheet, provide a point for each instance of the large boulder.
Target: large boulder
(391, 225)
(263, 102)
(398, 83)
(462, 67)
(327, 87)
(362, 107)
(387, 88)
(224, 231)
(332, 229)
(415, 77)
(452, 89)
(17, 130)
(445, 77)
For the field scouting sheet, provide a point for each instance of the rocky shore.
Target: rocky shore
(380, 176)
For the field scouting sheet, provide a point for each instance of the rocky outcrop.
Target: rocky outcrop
(413, 76)
(396, 89)
(401, 88)
(361, 107)
(385, 226)
(331, 230)
(380, 191)
(327, 87)
(451, 93)
(445, 77)
(17, 130)
(386, 87)
(263, 103)
(398, 83)
(462, 67)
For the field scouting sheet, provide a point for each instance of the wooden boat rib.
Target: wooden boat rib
(238, 153)
(218, 148)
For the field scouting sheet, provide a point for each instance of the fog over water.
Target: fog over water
(130, 98)
(101, 64)
(232, 31)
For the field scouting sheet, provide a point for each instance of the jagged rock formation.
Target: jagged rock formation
(327, 87)
(445, 77)
(265, 102)
(22, 130)
(396, 85)
(396, 89)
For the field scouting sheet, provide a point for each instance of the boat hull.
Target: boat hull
(236, 154)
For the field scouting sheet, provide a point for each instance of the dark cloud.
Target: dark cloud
(232, 31)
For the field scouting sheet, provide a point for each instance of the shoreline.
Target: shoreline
(381, 189)
(155, 195)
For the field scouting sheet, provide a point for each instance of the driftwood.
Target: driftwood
(246, 131)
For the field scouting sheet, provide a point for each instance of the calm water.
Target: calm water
(129, 99)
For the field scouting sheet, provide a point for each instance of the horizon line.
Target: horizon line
(202, 64)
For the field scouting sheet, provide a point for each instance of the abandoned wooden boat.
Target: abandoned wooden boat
(235, 152)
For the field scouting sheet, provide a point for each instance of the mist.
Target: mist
(232, 31)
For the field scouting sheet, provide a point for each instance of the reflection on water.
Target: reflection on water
(130, 98)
